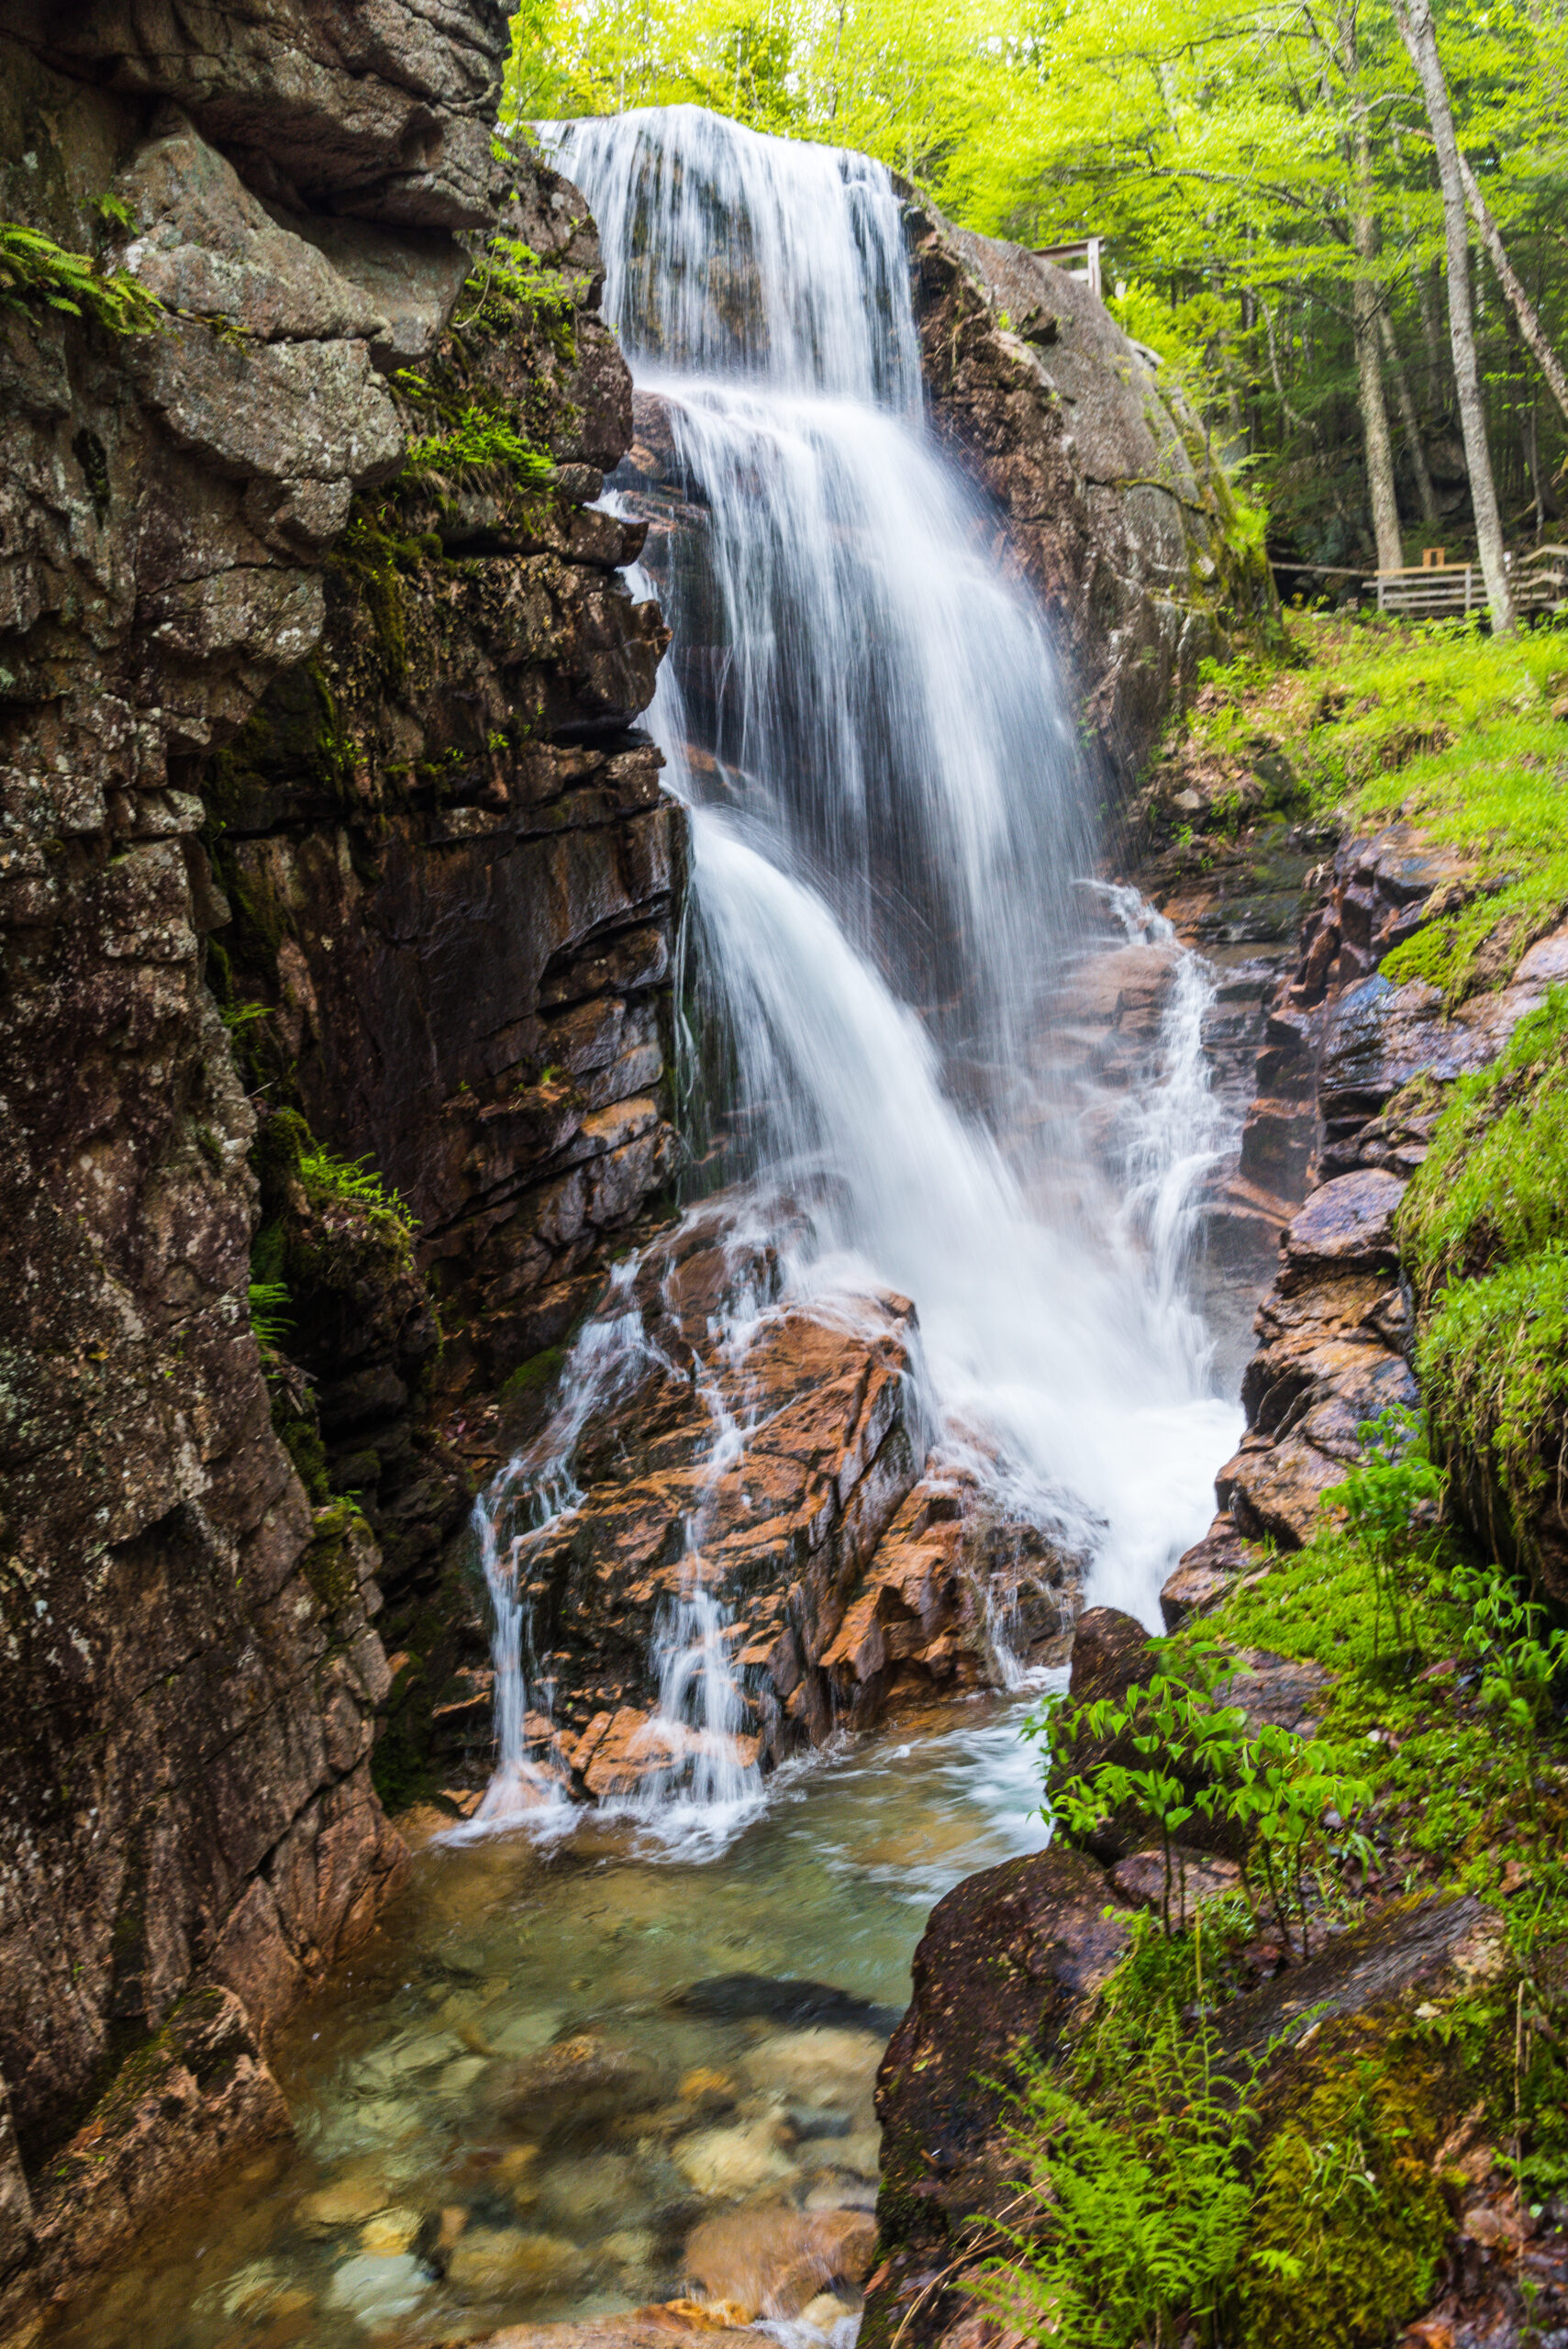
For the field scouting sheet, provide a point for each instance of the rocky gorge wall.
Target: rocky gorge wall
(382, 747)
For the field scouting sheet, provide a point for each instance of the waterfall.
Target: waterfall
(891, 828)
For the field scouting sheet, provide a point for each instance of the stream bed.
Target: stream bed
(506, 2111)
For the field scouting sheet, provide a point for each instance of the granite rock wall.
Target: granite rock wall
(189, 1837)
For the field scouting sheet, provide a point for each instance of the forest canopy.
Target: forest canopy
(1262, 173)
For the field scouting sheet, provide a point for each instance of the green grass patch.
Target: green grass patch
(1484, 1235)
(1437, 723)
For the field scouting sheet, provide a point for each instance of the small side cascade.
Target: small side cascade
(695, 1758)
(1173, 1129)
(702, 1755)
(522, 1784)
(533, 1491)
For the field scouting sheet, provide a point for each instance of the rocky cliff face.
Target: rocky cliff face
(1111, 499)
(321, 755)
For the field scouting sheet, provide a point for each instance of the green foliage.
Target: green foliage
(1436, 724)
(270, 1317)
(1134, 2165)
(329, 1180)
(37, 274)
(1483, 1232)
(1192, 1758)
(1390, 1503)
(476, 439)
(1348, 2172)
(509, 280)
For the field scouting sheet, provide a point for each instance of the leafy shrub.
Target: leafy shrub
(1389, 1504)
(1195, 1758)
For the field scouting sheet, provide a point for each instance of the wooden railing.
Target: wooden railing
(1438, 589)
(1085, 250)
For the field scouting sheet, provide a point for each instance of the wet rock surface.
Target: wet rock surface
(1108, 492)
(772, 1456)
(1367, 1060)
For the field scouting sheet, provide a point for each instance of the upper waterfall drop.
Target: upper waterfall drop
(730, 253)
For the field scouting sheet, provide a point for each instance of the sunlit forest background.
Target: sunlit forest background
(1263, 177)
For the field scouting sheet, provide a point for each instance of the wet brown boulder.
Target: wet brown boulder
(1009, 1958)
(1346, 1225)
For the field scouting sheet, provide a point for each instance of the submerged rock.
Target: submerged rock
(772, 2263)
(730, 1997)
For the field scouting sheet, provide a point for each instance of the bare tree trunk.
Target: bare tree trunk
(1523, 307)
(1366, 300)
(1417, 446)
(1414, 18)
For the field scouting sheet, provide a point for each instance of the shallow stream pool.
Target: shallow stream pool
(517, 2103)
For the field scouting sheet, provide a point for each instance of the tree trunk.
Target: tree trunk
(1367, 304)
(1424, 489)
(1414, 18)
(1523, 307)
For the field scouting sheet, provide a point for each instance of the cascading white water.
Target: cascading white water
(890, 819)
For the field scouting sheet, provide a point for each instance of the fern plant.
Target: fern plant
(476, 438)
(1134, 2211)
(36, 272)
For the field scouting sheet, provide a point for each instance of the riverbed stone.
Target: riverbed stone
(489, 2261)
(772, 2263)
(735, 2161)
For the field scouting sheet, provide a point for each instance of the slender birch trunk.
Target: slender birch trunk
(1414, 18)
(1367, 304)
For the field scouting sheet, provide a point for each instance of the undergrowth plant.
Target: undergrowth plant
(37, 274)
(1390, 1503)
(509, 277)
(1195, 1758)
(270, 1315)
(1134, 2209)
(476, 439)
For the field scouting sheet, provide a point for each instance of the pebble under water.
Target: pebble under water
(505, 2111)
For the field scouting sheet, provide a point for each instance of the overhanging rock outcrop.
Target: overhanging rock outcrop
(1112, 499)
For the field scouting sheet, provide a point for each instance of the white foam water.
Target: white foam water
(891, 829)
